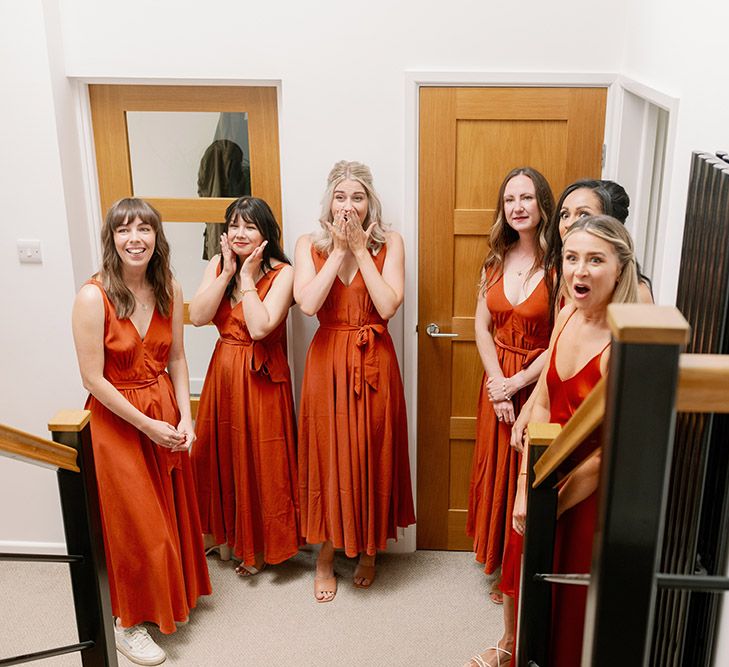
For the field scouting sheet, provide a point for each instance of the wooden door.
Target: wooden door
(469, 139)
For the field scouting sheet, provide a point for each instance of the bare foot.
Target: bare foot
(364, 573)
(251, 570)
(325, 582)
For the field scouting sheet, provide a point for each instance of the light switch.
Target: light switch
(29, 251)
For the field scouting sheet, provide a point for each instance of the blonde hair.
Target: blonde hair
(613, 232)
(354, 171)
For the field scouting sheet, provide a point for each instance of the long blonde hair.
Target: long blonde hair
(612, 231)
(354, 171)
(158, 270)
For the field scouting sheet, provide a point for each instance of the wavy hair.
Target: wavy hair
(158, 271)
(503, 236)
(354, 171)
(612, 231)
(257, 212)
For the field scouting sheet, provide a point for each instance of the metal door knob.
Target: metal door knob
(433, 330)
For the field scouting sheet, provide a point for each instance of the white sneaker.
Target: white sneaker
(136, 644)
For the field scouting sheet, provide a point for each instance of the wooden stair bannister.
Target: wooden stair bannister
(71, 455)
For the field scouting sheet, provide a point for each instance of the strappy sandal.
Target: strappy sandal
(364, 572)
(480, 662)
(324, 585)
(243, 570)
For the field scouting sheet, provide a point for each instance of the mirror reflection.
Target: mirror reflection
(190, 154)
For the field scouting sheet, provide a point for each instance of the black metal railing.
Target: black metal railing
(73, 459)
(642, 397)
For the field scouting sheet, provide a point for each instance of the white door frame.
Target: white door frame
(414, 80)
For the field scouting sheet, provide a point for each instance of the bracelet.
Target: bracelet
(247, 289)
(522, 473)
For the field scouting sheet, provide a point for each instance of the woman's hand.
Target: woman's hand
(518, 431)
(163, 434)
(338, 230)
(518, 520)
(357, 238)
(227, 257)
(502, 389)
(252, 265)
(185, 428)
(504, 411)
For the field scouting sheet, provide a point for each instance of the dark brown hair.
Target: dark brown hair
(159, 275)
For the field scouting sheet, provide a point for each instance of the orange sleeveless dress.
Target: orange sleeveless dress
(354, 472)
(521, 333)
(244, 458)
(575, 528)
(152, 536)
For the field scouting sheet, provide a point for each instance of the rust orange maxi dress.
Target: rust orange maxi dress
(521, 333)
(244, 458)
(152, 536)
(354, 471)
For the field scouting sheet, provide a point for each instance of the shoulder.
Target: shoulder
(393, 239)
(90, 296)
(304, 241)
(282, 268)
(563, 316)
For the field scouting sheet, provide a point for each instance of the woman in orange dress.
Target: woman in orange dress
(354, 471)
(244, 458)
(512, 332)
(127, 327)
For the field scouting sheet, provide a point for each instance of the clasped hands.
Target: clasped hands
(165, 435)
(500, 390)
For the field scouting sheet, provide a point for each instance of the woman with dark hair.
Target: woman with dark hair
(512, 326)
(245, 456)
(127, 327)
(354, 469)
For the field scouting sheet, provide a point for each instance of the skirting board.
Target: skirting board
(55, 548)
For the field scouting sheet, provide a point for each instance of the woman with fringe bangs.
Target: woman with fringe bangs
(127, 327)
(245, 455)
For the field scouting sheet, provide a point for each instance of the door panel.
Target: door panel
(469, 139)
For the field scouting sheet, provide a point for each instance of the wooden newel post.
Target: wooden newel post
(82, 525)
(637, 442)
(535, 597)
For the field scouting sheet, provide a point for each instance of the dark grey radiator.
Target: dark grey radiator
(697, 513)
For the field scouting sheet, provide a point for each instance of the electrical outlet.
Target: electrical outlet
(29, 251)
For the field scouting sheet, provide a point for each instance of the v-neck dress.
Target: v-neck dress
(244, 458)
(152, 536)
(354, 472)
(521, 333)
(575, 528)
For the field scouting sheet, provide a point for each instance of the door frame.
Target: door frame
(414, 80)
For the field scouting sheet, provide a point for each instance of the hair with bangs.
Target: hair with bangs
(158, 272)
(612, 231)
(255, 211)
(354, 171)
(503, 236)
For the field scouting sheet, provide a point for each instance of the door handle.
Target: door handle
(433, 330)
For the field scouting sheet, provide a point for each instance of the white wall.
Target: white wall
(39, 374)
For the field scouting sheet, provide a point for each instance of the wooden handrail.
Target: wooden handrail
(17, 444)
(585, 420)
(703, 383)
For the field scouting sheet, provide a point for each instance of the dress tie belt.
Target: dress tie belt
(529, 355)
(261, 360)
(140, 384)
(365, 360)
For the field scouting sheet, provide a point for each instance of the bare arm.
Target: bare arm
(88, 334)
(207, 299)
(262, 317)
(311, 288)
(483, 325)
(386, 289)
(177, 368)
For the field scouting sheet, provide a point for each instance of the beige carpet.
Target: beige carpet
(427, 609)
